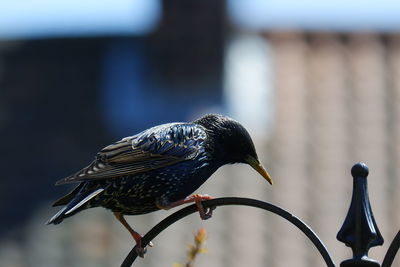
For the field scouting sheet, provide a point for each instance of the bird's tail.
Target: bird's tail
(73, 206)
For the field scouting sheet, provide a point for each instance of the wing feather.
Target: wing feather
(152, 149)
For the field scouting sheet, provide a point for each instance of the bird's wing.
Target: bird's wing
(152, 149)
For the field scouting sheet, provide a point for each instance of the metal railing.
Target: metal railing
(359, 230)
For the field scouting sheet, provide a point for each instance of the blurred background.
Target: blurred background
(317, 84)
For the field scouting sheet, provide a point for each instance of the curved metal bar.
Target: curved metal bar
(392, 251)
(232, 201)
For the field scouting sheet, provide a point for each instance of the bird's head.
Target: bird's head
(232, 142)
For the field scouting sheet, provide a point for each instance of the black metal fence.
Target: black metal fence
(359, 230)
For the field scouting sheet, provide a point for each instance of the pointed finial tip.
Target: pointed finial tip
(360, 170)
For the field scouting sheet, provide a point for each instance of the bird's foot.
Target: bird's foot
(205, 214)
(196, 198)
(141, 251)
(136, 236)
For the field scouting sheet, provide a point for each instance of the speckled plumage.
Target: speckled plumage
(158, 166)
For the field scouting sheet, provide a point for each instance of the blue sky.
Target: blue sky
(51, 18)
(338, 15)
(44, 18)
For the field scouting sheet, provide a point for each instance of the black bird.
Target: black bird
(158, 169)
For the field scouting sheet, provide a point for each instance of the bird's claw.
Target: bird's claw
(140, 251)
(204, 213)
(207, 213)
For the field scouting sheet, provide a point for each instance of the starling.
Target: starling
(158, 169)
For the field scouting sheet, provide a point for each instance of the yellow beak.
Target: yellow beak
(259, 168)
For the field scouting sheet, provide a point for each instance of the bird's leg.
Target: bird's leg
(197, 199)
(138, 238)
